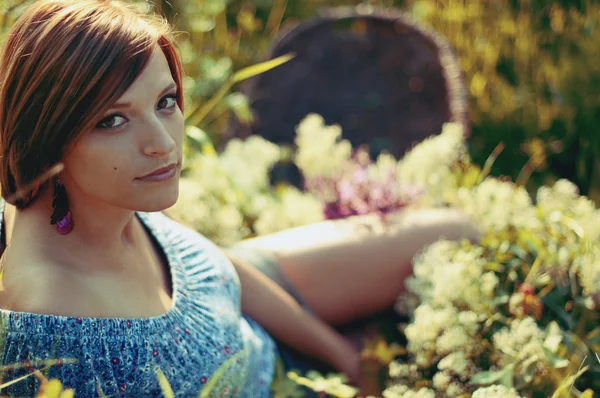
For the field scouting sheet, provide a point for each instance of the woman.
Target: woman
(91, 96)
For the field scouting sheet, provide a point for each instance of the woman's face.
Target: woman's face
(140, 134)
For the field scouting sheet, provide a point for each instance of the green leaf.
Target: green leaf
(556, 361)
(197, 134)
(202, 139)
(493, 266)
(519, 252)
(507, 378)
(259, 68)
(490, 377)
(528, 369)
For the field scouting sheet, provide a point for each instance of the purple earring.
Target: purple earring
(61, 216)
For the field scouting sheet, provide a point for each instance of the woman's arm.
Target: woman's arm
(281, 315)
(346, 269)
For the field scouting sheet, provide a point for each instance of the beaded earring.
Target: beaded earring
(61, 216)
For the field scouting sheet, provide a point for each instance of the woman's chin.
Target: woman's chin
(161, 201)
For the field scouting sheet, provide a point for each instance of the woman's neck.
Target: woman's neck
(100, 231)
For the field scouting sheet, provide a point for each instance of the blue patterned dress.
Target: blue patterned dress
(204, 330)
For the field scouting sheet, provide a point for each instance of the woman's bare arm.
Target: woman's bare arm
(346, 269)
(281, 315)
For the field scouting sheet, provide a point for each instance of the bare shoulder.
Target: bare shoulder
(44, 289)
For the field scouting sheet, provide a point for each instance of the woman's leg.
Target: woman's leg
(358, 266)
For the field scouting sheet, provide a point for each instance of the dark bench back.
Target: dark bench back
(387, 80)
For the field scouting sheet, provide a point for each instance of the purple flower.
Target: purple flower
(353, 192)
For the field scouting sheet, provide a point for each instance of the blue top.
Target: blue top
(203, 330)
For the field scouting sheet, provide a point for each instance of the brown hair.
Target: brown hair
(63, 65)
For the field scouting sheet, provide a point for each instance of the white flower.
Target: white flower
(587, 266)
(454, 338)
(429, 164)
(247, 163)
(456, 363)
(489, 281)
(209, 203)
(399, 391)
(454, 390)
(293, 208)
(564, 199)
(441, 381)
(423, 332)
(495, 391)
(446, 274)
(401, 370)
(522, 340)
(495, 205)
(321, 151)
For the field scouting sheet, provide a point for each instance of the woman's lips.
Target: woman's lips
(162, 174)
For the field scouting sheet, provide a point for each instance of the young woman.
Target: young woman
(91, 97)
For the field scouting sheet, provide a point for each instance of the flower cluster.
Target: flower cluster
(514, 314)
(429, 165)
(227, 197)
(346, 180)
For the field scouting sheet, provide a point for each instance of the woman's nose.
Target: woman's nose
(157, 139)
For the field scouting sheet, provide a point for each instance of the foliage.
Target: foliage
(531, 67)
(514, 314)
(518, 310)
(228, 196)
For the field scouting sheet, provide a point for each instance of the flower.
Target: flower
(495, 391)
(456, 363)
(321, 151)
(210, 203)
(428, 165)
(445, 273)
(400, 391)
(495, 205)
(523, 339)
(290, 209)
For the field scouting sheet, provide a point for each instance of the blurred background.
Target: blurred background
(531, 69)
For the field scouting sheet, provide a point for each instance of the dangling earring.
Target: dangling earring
(61, 216)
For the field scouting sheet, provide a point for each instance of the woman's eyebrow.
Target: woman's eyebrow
(127, 105)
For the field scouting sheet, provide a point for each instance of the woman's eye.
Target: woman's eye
(111, 122)
(168, 101)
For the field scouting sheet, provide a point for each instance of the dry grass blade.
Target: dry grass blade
(164, 384)
(10, 383)
(194, 118)
(487, 168)
(46, 364)
(262, 67)
(569, 381)
(275, 17)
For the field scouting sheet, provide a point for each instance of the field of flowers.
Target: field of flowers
(513, 315)
(516, 314)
